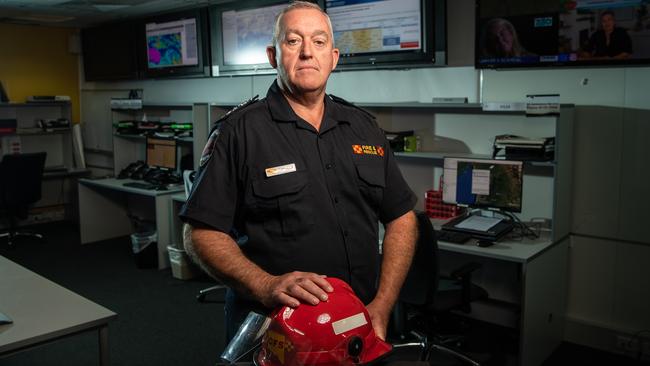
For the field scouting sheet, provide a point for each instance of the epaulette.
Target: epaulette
(346, 103)
(214, 131)
(239, 107)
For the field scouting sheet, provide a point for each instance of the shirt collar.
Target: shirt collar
(281, 111)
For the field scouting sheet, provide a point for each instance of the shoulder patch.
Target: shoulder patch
(206, 154)
(214, 132)
(241, 106)
(349, 104)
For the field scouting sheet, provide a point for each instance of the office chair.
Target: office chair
(21, 176)
(425, 295)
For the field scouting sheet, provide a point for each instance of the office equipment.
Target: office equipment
(242, 31)
(483, 183)
(161, 153)
(425, 294)
(44, 312)
(109, 51)
(393, 33)
(21, 177)
(560, 34)
(176, 44)
(513, 147)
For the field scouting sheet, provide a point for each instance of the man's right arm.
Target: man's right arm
(221, 257)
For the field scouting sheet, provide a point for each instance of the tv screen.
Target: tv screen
(110, 52)
(241, 31)
(388, 33)
(562, 33)
(485, 183)
(176, 44)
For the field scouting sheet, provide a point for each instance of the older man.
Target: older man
(306, 177)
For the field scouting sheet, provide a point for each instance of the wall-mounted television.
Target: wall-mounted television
(110, 52)
(373, 34)
(241, 31)
(532, 33)
(176, 44)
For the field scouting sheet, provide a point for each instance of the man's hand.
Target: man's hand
(293, 288)
(379, 316)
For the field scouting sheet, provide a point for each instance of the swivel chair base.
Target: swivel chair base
(203, 293)
(11, 235)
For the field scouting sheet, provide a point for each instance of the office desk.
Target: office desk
(541, 267)
(43, 311)
(103, 209)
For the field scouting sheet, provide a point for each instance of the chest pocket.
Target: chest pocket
(372, 182)
(283, 203)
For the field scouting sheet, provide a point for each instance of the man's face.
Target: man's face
(304, 55)
(608, 23)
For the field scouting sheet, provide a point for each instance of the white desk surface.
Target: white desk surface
(41, 310)
(118, 185)
(521, 251)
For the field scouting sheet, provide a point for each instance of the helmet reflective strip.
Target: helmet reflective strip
(349, 323)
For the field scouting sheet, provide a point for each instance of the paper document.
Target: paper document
(479, 223)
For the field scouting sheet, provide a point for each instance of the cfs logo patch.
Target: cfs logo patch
(278, 345)
(368, 150)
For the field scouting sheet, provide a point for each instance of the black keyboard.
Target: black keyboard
(453, 236)
(141, 185)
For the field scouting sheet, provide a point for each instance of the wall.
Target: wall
(607, 285)
(36, 61)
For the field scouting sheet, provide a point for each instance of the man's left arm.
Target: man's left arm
(398, 248)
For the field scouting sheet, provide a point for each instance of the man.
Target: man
(609, 42)
(305, 177)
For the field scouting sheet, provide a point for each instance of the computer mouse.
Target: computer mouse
(485, 243)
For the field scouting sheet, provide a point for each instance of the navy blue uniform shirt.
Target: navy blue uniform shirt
(308, 200)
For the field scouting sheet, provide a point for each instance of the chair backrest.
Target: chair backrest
(422, 280)
(21, 176)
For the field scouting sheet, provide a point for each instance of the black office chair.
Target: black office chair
(425, 296)
(21, 176)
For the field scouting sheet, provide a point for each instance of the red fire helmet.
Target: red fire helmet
(334, 332)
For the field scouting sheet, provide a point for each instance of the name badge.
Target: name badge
(279, 170)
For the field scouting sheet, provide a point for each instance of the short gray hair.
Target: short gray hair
(299, 4)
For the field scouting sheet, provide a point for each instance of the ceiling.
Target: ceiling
(84, 13)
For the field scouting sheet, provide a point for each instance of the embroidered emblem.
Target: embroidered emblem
(368, 150)
(209, 148)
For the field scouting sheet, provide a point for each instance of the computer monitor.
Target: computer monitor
(483, 183)
(161, 153)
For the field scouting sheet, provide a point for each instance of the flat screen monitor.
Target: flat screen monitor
(176, 44)
(241, 31)
(562, 33)
(161, 153)
(483, 183)
(388, 33)
(110, 52)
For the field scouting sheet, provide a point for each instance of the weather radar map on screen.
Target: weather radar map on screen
(246, 33)
(172, 44)
(364, 26)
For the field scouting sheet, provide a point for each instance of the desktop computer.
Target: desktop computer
(492, 185)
